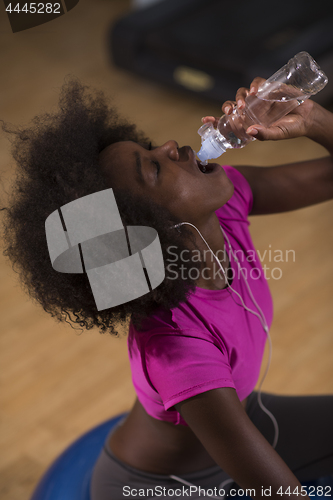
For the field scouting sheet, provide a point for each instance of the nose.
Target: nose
(171, 149)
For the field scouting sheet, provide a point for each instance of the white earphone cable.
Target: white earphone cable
(266, 329)
(260, 315)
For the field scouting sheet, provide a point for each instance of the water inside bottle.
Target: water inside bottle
(272, 103)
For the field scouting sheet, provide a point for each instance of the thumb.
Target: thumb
(265, 134)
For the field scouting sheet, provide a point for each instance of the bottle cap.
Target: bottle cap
(211, 144)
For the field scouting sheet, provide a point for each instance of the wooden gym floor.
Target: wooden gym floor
(56, 384)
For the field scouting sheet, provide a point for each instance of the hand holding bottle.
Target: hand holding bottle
(276, 108)
(294, 124)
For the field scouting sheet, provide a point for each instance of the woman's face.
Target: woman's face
(168, 175)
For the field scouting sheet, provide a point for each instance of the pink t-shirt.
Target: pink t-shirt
(209, 341)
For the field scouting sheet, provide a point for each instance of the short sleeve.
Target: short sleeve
(181, 366)
(241, 201)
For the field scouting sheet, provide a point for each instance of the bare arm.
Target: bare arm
(221, 424)
(295, 185)
(289, 187)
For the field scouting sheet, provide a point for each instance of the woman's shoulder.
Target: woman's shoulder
(164, 323)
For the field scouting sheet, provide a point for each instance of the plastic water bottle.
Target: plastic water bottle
(296, 81)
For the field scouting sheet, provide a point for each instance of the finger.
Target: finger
(227, 107)
(243, 92)
(255, 84)
(207, 119)
(241, 95)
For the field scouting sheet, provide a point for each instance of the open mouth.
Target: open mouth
(206, 169)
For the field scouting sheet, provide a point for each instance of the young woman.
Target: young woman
(195, 344)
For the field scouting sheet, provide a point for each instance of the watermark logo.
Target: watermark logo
(251, 264)
(87, 236)
(26, 15)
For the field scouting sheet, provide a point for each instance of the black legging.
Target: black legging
(305, 431)
(305, 443)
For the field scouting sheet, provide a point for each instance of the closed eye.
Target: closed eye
(158, 167)
(156, 163)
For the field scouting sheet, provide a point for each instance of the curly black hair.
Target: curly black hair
(57, 162)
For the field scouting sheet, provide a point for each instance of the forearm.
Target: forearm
(264, 471)
(296, 185)
(225, 430)
(319, 127)
(290, 187)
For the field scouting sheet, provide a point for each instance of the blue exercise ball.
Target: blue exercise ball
(68, 478)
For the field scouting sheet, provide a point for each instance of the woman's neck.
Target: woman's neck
(211, 276)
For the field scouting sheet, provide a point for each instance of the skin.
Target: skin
(219, 431)
(179, 186)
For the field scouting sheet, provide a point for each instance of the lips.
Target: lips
(208, 169)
